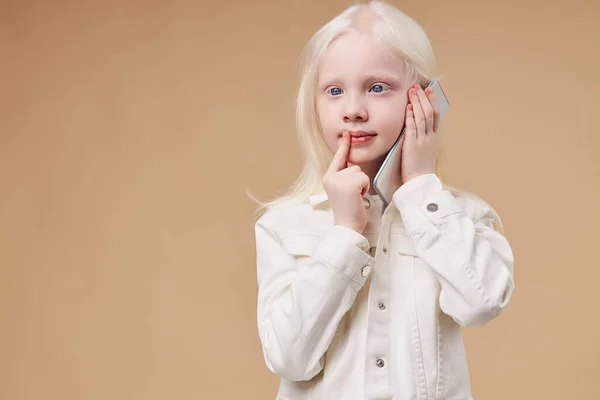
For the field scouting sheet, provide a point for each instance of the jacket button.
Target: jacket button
(432, 207)
(367, 203)
(373, 251)
(379, 363)
(381, 305)
(365, 271)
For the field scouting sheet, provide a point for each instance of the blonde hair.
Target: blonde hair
(389, 27)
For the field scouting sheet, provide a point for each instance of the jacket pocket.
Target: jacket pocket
(402, 242)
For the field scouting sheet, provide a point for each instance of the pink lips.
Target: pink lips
(359, 137)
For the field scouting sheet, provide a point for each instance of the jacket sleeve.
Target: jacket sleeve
(473, 262)
(303, 297)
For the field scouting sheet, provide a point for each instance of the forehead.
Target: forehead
(357, 53)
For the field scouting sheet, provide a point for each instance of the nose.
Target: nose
(355, 109)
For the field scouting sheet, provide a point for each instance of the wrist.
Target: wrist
(413, 176)
(352, 236)
(351, 226)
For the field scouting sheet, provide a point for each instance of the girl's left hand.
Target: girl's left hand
(419, 149)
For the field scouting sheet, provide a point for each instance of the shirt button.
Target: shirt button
(432, 207)
(379, 363)
(366, 270)
(381, 305)
(385, 249)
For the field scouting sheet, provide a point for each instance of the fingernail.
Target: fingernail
(413, 92)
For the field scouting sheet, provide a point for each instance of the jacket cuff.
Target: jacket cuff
(345, 250)
(422, 201)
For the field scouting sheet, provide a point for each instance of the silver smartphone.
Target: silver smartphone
(384, 183)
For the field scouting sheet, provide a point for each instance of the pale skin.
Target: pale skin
(363, 90)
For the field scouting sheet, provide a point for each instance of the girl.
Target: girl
(356, 301)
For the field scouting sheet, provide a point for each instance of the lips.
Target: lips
(360, 137)
(359, 134)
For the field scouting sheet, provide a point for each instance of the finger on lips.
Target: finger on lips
(339, 161)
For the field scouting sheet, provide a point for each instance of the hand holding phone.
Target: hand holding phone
(420, 148)
(389, 177)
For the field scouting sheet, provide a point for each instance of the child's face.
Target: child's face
(361, 89)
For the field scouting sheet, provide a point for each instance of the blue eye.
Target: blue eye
(378, 88)
(335, 91)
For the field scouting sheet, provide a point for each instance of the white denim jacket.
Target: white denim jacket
(336, 322)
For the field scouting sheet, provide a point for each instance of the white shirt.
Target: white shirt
(338, 323)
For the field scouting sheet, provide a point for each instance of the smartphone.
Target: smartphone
(385, 180)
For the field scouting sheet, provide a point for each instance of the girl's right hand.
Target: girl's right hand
(345, 187)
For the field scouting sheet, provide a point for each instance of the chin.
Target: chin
(365, 156)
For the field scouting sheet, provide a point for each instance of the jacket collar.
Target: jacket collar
(318, 199)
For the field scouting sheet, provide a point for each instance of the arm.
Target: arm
(303, 297)
(473, 262)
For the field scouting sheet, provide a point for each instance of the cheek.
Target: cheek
(391, 117)
(327, 126)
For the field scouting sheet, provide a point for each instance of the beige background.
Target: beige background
(130, 130)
